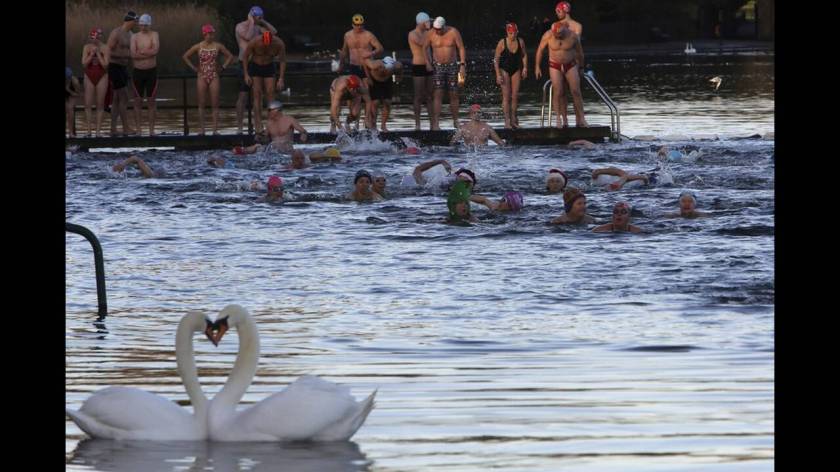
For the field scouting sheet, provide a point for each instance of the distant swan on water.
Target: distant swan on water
(308, 409)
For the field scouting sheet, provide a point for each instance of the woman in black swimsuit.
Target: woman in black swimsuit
(511, 64)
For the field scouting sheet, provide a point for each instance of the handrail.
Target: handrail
(615, 115)
(98, 262)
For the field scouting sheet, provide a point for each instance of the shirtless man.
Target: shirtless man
(476, 132)
(281, 129)
(359, 44)
(379, 75)
(620, 221)
(119, 46)
(562, 10)
(258, 62)
(144, 48)
(565, 56)
(361, 188)
(245, 32)
(352, 89)
(421, 69)
(446, 48)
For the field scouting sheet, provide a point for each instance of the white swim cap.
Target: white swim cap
(389, 62)
(439, 23)
(422, 17)
(145, 19)
(335, 66)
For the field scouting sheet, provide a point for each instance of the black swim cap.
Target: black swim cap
(360, 174)
(130, 16)
(468, 172)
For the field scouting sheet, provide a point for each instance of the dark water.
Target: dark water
(509, 344)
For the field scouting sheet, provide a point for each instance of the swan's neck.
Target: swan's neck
(185, 358)
(245, 367)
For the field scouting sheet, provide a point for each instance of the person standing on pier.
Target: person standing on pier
(245, 32)
(359, 44)
(208, 73)
(511, 64)
(565, 57)
(95, 62)
(144, 48)
(119, 45)
(450, 72)
(260, 69)
(421, 69)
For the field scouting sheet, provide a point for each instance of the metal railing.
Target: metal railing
(615, 115)
(98, 262)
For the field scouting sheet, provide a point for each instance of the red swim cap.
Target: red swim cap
(565, 6)
(95, 32)
(475, 107)
(266, 37)
(511, 27)
(412, 150)
(274, 181)
(353, 82)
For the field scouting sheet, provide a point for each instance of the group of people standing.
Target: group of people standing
(438, 65)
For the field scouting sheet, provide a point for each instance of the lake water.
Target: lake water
(509, 344)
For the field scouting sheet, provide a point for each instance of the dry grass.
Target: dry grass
(179, 27)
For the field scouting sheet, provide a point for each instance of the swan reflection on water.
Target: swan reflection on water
(129, 456)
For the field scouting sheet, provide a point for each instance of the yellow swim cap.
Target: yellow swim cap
(358, 19)
(332, 152)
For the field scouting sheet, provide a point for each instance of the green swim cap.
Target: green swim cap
(460, 192)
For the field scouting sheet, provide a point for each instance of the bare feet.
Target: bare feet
(384, 129)
(581, 124)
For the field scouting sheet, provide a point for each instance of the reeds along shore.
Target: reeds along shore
(179, 27)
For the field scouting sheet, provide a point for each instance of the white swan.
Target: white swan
(308, 409)
(134, 414)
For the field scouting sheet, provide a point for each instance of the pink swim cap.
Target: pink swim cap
(412, 150)
(275, 181)
(565, 6)
(514, 199)
(208, 28)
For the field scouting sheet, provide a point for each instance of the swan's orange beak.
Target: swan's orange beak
(215, 331)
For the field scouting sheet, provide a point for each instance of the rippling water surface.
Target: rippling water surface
(508, 344)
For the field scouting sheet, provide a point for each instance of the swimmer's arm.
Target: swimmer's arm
(76, 86)
(484, 201)
(334, 105)
(144, 169)
(634, 229)
(377, 46)
(632, 177)
(282, 56)
(538, 58)
(186, 57)
(369, 111)
(496, 56)
(155, 44)
(112, 40)
(603, 228)
(296, 125)
(87, 56)
(427, 51)
(608, 171)
(579, 54)
(559, 220)
(227, 54)
(495, 137)
(268, 25)
(345, 51)
(104, 56)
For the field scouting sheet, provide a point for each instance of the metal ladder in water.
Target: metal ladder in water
(615, 116)
(98, 262)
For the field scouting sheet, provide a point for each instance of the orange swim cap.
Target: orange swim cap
(353, 82)
(266, 37)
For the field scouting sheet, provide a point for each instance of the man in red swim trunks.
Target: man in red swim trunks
(565, 56)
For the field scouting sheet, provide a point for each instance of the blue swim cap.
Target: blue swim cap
(256, 11)
(674, 155)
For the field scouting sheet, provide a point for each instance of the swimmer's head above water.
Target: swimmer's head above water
(458, 201)
(688, 202)
(621, 214)
(364, 176)
(574, 201)
(556, 180)
(512, 201)
(379, 183)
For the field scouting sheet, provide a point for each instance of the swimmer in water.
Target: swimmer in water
(274, 191)
(379, 183)
(298, 161)
(582, 143)
(476, 132)
(511, 201)
(556, 181)
(220, 162)
(688, 207)
(140, 163)
(418, 179)
(614, 178)
(620, 221)
(281, 129)
(574, 204)
(458, 203)
(362, 191)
